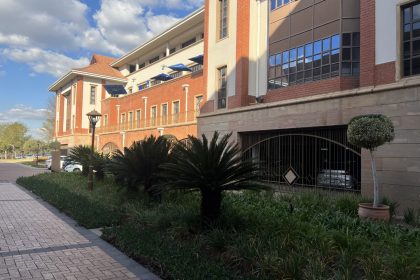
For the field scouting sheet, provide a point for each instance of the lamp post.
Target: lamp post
(93, 120)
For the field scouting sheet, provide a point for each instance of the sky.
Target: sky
(40, 40)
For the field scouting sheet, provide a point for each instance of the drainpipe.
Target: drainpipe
(186, 87)
(118, 116)
(145, 110)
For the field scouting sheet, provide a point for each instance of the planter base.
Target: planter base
(367, 211)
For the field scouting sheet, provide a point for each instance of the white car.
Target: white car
(73, 167)
(49, 161)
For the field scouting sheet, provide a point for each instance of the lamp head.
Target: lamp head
(94, 117)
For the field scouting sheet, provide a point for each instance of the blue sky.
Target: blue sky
(40, 40)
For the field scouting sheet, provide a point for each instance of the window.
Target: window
(172, 50)
(175, 112)
(142, 65)
(153, 115)
(176, 74)
(278, 3)
(164, 114)
(221, 87)
(222, 19)
(153, 60)
(197, 104)
(92, 95)
(155, 82)
(411, 40)
(317, 60)
(132, 68)
(138, 118)
(130, 90)
(188, 43)
(130, 120)
(122, 121)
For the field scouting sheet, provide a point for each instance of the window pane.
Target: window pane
(317, 47)
(416, 12)
(273, 4)
(292, 67)
(285, 2)
(335, 42)
(356, 68)
(407, 16)
(346, 54)
(278, 71)
(326, 58)
(407, 30)
(292, 78)
(346, 39)
(326, 44)
(299, 77)
(335, 69)
(416, 30)
(407, 49)
(286, 69)
(416, 48)
(356, 39)
(407, 71)
(285, 56)
(308, 75)
(293, 54)
(355, 54)
(416, 66)
(325, 71)
(317, 60)
(308, 50)
(300, 65)
(272, 73)
(346, 68)
(301, 52)
(278, 59)
(335, 56)
(317, 73)
(279, 3)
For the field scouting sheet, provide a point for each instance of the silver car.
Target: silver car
(336, 179)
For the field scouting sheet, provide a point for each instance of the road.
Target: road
(39, 242)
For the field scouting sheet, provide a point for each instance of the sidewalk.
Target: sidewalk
(39, 242)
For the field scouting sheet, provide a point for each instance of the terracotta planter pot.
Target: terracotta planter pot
(367, 211)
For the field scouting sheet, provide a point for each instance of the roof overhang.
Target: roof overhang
(189, 21)
(74, 73)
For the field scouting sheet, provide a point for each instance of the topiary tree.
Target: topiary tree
(370, 132)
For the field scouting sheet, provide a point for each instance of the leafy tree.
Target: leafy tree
(210, 168)
(370, 132)
(33, 146)
(13, 137)
(140, 164)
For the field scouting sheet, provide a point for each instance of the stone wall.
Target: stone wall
(398, 162)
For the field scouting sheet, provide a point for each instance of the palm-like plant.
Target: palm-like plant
(211, 168)
(82, 155)
(140, 164)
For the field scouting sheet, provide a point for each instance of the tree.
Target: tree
(32, 146)
(140, 164)
(48, 126)
(13, 137)
(210, 168)
(370, 132)
(82, 154)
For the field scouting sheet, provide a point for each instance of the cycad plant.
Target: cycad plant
(139, 165)
(81, 154)
(210, 168)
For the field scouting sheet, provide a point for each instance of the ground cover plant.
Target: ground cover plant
(258, 236)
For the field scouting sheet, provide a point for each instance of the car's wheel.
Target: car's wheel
(77, 170)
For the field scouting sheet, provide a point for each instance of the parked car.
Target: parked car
(62, 160)
(73, 167)
(336, 179)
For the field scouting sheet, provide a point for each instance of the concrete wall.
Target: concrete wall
(398, 162)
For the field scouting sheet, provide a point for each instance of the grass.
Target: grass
(258, 237)
(34, 164)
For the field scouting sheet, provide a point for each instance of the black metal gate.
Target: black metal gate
(315, 158)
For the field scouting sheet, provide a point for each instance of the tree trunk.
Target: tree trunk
(211, 202)
(375, 181)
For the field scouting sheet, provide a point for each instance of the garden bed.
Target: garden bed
(258, 237)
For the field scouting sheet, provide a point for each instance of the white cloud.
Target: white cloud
(42, 61)
(23, 113)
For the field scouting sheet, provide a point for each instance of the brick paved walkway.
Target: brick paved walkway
(38, 242)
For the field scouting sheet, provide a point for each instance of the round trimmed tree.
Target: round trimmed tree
(370, 132)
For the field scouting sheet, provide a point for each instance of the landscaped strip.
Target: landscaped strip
(259, 236)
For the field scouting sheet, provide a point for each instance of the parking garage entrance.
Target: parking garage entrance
(307, 158)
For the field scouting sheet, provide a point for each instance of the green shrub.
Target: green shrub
(82, 155)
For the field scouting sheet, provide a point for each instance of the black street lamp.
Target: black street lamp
(93, 120)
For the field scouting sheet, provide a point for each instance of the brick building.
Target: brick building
(285, 77)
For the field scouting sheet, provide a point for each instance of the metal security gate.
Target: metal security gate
(311, 158)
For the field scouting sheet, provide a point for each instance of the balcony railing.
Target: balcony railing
(152, 123)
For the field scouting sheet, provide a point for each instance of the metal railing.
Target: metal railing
(151, 123)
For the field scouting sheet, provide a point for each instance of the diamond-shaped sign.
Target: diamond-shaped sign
(291, 176)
